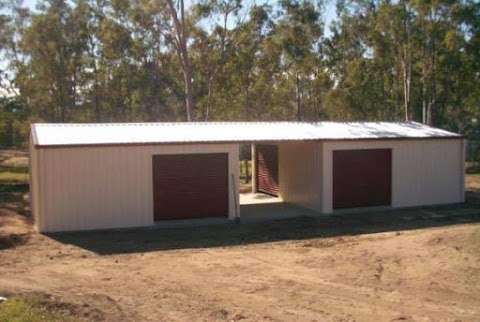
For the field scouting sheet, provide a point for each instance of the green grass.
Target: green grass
(13, 167)
(13, 177)
(31, 310)
(14, 162)
(14, 170)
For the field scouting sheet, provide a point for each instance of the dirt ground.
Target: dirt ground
(405, 265)
(426, 270)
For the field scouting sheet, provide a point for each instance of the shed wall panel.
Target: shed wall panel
(41, 188)
(34, 181)
(424, 172)
(300, 173)
(110, 187)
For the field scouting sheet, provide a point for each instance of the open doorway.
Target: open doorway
(259, 174)
(246, 168)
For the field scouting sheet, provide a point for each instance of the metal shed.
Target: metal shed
(98, 176)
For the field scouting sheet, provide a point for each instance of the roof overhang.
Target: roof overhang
(134, 134)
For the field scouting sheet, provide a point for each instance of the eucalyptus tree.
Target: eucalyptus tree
(389, 56)
(179, 36)
(54, 43)
(298, 33)
(143, 60)
(212, 46)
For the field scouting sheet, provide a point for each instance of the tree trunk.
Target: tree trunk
(433, 102)
(424, 76)
(218, 66)
(246, 107)
(406, 63)
(96, 103)
(182, 51)
(187, 76)
(298, 98)
(424, 106)
(433, 77)
(405, 90)
(209, 97)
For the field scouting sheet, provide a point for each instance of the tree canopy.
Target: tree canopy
(159, 60)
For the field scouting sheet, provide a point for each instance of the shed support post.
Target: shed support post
(254, 169)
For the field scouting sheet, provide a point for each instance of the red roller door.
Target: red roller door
(362, 178)
(267, 169)
(190, 186)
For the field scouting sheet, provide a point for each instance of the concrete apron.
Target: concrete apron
(267, 209)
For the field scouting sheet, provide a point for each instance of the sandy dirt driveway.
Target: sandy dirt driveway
(422, 265)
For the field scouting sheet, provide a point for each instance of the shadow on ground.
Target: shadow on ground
(299, 228)
(12, 240)
(14, 229)
(14, 196)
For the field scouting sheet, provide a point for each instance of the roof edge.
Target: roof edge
(33, 133)
(92, 145)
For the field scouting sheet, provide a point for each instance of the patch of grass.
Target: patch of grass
(14, 170)
(15, 162)
(28, 310)
(13, 176)
(13, 167)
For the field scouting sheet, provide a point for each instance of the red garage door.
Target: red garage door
(267, 169)
(190, 186)
(362, 178)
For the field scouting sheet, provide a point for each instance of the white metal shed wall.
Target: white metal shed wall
(34, 182)
(300, 173)
(424, 172)
(84, 188)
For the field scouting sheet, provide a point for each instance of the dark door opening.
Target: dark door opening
(190, 186)
(362, 178)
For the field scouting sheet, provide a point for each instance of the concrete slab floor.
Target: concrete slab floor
(254, 213)
(257, 198)
(249, 213)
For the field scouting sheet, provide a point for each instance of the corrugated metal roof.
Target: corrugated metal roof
(49, 134)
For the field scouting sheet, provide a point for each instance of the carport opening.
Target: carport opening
(259, 174)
